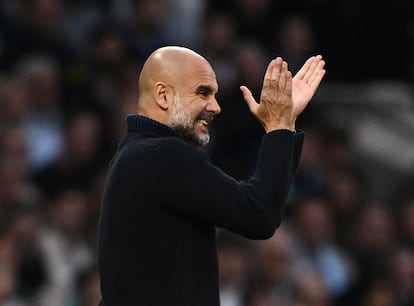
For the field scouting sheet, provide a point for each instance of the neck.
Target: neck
(154, 114)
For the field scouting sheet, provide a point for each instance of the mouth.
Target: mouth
(205, 120)
(202, 122)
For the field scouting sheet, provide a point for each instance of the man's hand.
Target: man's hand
(275, 110)
(306, 82)
(283, 98)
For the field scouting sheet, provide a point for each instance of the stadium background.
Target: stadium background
(68, 77)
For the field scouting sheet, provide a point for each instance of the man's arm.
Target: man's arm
(254, 208)
(187, 183)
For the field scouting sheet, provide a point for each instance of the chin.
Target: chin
(204, 140)
(192, 136)
(199, 140)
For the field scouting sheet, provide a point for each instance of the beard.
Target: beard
(183, 124)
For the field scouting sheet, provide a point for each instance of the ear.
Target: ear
(163, 95)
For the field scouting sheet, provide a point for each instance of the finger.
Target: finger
(302, 71)
(318, 78)
(289, 83)
(315, 73)
(314, 64)
(319, 66)
(276, 70)
(248, 97)
(268, 74)
(282, 77)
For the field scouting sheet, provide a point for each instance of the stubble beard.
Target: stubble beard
(183, 124)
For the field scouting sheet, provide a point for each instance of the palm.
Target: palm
(306, 82)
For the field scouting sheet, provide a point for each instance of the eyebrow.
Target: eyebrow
(205, 88)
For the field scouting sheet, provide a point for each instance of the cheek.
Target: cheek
(192, 105)
(194, 108)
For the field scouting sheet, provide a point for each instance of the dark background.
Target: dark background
(68, 78)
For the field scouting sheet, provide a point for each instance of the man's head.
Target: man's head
(177, 87)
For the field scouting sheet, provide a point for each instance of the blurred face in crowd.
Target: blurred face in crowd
(83, 134)
(45, 14)
(68, 212)
(275, 255)
(406, 221)
(13, 100)
(314, 222)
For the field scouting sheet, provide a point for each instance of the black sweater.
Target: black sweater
(162, 202)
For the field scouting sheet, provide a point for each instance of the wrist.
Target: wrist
(290, 127)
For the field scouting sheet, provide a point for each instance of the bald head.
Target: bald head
(170, 65)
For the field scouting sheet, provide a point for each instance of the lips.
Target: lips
(202, 122)
(205, 119)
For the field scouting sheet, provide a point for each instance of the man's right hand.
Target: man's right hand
(283, 98)
(275, 110)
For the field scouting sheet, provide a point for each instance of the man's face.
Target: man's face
(195, 104)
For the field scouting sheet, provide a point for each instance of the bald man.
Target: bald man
(163, 198)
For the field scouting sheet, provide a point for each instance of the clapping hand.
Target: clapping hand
(282, 98)
(306, 82)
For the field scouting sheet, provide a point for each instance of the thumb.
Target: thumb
(248, 97)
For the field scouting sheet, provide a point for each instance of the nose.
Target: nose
(213, 106)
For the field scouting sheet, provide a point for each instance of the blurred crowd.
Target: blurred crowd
(68, 78)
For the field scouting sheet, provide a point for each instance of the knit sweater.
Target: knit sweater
(162, 203)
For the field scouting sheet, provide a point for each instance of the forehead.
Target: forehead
(200, 72)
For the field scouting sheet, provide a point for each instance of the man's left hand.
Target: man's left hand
(306, 82)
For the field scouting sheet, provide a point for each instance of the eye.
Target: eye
(203, 93)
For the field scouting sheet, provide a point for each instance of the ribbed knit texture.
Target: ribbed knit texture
(137, 123)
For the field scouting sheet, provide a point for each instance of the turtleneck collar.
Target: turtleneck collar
(138, 123)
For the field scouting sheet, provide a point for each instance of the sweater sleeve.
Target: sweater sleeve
(188, 183)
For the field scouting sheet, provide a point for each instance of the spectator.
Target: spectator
(30, 265)
(402, 276)
(234, 257)
(372, 247)
(242, 134)
(89, 289)
(184, 23)
(65, 251)
(37, 31)
(77, 164)
(405, 222)
(219, 46)
(16, 187)
(8, 268)
(13, 102)
(145, 31)
(311, 290)
(43, 119)
(316, 248)
(295, 39)
(272, 280)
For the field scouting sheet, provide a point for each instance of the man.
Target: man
(163, 198)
